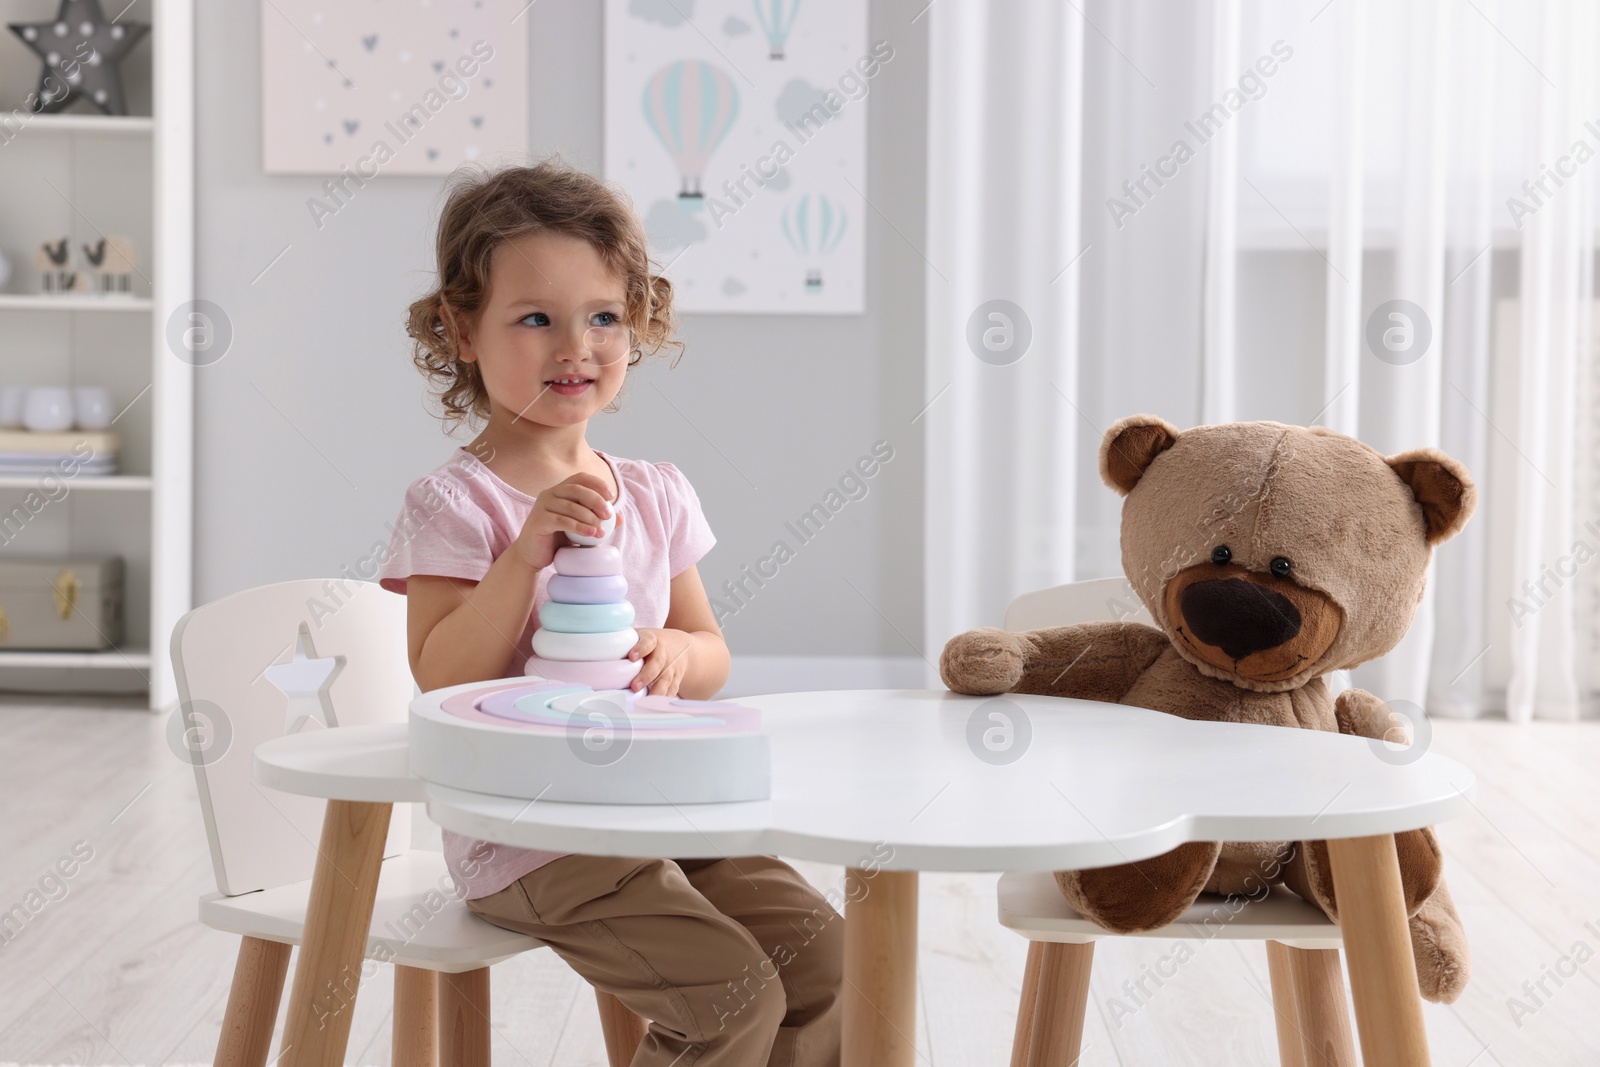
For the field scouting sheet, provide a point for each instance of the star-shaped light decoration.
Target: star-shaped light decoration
(305, 681)
(81, 50)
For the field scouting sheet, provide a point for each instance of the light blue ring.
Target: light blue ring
(585, 618)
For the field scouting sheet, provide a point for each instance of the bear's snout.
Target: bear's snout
(1237, 616)
(1255, 625)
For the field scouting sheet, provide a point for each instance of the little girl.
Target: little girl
(545, 299)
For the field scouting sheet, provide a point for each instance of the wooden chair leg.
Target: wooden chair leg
(623, 1030)
(1319, 1001)
(1025, 1006)
(253, 997)
(464, 1019)
(1286, 1016)
(1059, 1007)
(416, 1017)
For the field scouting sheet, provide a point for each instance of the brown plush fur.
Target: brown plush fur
(1240, 642)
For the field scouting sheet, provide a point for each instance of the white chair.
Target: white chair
(339, 650)
(1302, 944)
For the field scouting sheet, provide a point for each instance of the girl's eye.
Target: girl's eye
(610, 319)
(543, 319)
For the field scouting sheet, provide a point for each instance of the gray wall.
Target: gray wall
(312, 426)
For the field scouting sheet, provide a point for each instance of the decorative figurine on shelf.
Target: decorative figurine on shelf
(82, 50)
(114, 261)
(54, 260)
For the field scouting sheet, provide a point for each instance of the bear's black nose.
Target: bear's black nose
(1237, 616)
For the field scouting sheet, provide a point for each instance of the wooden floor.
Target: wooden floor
(115, 969)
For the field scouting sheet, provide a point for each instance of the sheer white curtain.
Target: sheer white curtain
(1336, 159)
(1002, 251)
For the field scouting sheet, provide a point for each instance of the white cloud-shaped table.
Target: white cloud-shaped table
(891, 782)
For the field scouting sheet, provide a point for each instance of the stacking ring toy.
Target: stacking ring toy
(600, 560)
(607, 524)
(597, 674)
(562, 742)
(585, 618)
(613, 644)
(596, 589)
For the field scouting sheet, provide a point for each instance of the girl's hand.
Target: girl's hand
(577, 504)
(666, 659)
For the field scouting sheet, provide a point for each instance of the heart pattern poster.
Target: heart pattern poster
(418, 87)
(738, 128)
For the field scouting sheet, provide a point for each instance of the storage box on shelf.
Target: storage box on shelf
(60, 604)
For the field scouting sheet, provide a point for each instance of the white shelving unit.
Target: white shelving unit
(39, 302)
(84, 176)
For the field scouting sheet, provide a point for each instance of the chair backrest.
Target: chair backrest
(1096, 600)
(230, 657)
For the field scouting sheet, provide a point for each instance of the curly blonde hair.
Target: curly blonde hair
(486, 208)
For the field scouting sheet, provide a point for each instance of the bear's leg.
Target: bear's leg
(1421, 864)
(1249, 868)
(1143, 895)
(1439, 945)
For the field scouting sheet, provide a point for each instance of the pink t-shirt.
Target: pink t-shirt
(457, 520)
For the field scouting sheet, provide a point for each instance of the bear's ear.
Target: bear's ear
(1442, 486)
(1130, 446)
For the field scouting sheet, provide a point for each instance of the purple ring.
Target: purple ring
(587, 589)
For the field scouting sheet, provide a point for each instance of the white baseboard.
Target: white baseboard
(751, 675)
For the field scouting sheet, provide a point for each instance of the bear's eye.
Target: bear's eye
(1221, 554)
(1280, 567)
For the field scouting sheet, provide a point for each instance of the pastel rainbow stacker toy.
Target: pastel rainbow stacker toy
(564, 742)
(576, 732)
(586, 627)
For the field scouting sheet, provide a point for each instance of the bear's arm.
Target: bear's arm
(1360, 713)
(1094, 661)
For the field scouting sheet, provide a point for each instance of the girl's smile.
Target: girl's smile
(569, 386)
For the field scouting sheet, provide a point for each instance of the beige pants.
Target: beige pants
(734, 962)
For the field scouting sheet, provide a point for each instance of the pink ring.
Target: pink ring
(596, 561)
(596, 674)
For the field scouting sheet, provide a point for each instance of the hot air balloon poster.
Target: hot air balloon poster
(738, 127)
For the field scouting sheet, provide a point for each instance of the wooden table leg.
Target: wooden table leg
(1377, 944)
(327, 976)
(880, 968)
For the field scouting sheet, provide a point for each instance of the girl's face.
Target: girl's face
(550, 340)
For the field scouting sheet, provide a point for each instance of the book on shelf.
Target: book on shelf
(67, 452)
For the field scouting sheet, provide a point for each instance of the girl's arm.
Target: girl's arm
(464, 631)
(687, 657)
(459, 630)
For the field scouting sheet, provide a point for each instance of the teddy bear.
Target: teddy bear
(1269, 556)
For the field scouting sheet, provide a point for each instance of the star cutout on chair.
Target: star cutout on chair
(305, 681)
(81, 52)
